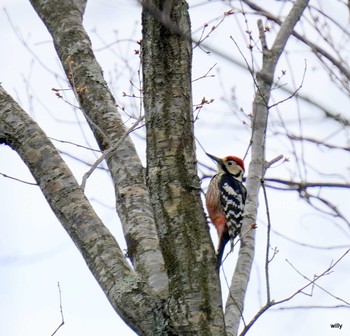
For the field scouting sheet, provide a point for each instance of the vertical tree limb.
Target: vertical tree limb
(194, 303)
(264, 80)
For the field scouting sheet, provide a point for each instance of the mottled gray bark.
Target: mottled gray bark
(194, 303)
(63, 19)
(264, 81)
(127, 292)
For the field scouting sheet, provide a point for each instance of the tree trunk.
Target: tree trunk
(194, 303)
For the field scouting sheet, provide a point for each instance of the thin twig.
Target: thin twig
(23, 40)
(233, 299)
(273, 161)
(334, 209)
(76, 89)
(251, 71)
(18, 180)
(206, 74)
(317, 142)
(299, 185)
(311, 307)
(61, 309)
(294, 93)
(109, 151)
(317, 247)
(268, 234)
(244, 65)
(318, 286)
(300, 290)
(75, 144)
(251, 227)
(314, 280)
(314, 47)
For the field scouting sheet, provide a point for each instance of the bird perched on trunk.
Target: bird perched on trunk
(225, 200)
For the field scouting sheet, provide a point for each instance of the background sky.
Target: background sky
(35, 251)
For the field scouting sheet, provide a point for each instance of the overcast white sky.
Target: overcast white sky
(35, 251)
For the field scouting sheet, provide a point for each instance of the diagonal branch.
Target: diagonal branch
(63, 19)
(67, 200)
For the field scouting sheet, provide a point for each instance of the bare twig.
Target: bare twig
(17, 179)
(206, 75)
(202, 38)
(251, 71)
(109, 151)
(61, 309)
(23, 40)
(244, 65)
(232, 298)
(273, 161)
(253, 226)
(299, 291)
(318, 286)
(314, 47)
(328, 204)
(318, 142)
(268, 236)
(81, 90)
(255, 318)
(294, 93)
(299, 185)
(311, 307)
(75, 144)
(312, 246)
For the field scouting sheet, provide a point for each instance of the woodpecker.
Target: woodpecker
(225, 200)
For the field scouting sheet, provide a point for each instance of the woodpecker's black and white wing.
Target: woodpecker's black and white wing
(233, 196)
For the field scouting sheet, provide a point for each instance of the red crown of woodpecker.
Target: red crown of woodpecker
(236, 159)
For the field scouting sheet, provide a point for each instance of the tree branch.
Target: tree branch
(264, 79)
(63, 19)
(99, 248)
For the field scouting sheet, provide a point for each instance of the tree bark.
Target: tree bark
(194, 303)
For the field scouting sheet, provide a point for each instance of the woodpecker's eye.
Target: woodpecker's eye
(230, 163)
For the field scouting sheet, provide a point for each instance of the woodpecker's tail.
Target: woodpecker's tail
(221, 248)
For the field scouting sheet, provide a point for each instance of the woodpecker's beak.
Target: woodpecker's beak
(216, 159)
